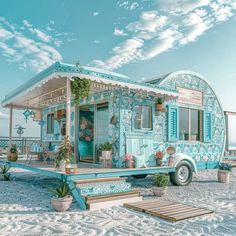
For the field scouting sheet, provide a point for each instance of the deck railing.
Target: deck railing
(21, 142)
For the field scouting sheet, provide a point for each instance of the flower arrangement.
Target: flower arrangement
(129, 161)
(128, 157)
(159, 155)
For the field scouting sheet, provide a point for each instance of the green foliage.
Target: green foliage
(4, 171)
(13, 148)
(225, 166)
(160, 100)
(161, 180)
(65, 152)
(80, 89)
(61, 191)
(105, 147)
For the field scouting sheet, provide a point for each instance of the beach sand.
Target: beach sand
(25, 210)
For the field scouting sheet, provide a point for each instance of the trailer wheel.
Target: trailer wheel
(183, 174)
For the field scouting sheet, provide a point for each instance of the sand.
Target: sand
(25, 210)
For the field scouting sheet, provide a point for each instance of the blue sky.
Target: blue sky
(141, 39)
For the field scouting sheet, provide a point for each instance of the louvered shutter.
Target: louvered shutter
(207, 126)
(173, 123)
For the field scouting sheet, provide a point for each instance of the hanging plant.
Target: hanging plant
(80, 89)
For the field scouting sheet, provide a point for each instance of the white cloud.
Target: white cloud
(171, 25)
(41, 35)
(96, 41)
(125, 52)
(119, 32)
(5, 34)
(29, 51)
(149, 21)
(95, 13)
(127, 5)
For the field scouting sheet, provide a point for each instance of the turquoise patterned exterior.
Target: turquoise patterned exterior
(123, 135)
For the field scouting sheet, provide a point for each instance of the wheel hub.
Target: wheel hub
(183, 173)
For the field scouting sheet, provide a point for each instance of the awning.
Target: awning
(50, 85)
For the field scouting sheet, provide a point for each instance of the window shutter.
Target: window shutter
(173, 123)
(207, 126)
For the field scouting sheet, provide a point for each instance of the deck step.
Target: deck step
(107, 186)
(98, 180)
(109, 197)
(109, 200)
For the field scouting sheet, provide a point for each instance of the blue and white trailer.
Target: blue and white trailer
(123, 112)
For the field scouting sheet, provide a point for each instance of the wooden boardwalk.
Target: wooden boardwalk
(168, 210)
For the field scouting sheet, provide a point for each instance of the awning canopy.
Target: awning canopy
(49, 86)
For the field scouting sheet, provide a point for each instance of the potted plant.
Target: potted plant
(129, 161)
(159, 156)
(105, 148)
(159, 104)
(224, 172)
(61, 201)
(161, 183)
(63, 155)
(12, 154)
(4, 175)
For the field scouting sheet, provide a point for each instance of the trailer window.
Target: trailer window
(190, 124)
(142, 117)
(50, 123)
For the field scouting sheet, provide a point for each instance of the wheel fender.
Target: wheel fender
(178, 157)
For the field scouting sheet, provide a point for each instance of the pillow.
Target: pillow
(140, 161)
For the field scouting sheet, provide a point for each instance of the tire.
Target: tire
(139, 176)
(183, 174)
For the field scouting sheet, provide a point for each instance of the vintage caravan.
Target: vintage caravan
(125, 113)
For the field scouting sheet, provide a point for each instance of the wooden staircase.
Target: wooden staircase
(106, 192)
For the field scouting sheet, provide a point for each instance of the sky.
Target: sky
(141, 39)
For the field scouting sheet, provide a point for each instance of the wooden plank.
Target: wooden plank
(195, 214)
(108, 204)
(190, 212)
(168, 211)
(181, 211)
(86, 181)
(113, 197)
(166, 207)
(149, 204)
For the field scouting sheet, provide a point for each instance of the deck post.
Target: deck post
(76, 148)
(10, 125)
(68, 106)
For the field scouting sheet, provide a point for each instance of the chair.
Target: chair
(34, 151)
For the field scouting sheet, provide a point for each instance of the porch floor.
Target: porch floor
(85, 169)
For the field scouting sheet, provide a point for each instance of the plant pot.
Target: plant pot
(159, 191)
(12, 157)
(106, 154)
(62, 166)
(159, 161)
(61, 204)
(4, 177)
(129, 164)
(159, 107)
(71, 169)
(223, 176)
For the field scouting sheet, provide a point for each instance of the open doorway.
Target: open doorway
(93, 130)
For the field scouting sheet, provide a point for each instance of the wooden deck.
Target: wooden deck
(86, 171)
(168, 210)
